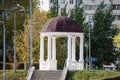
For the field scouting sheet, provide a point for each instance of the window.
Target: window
(51, 1)
(71, 1)
(90, 7)
(93, 0)
(79, 1)
(117, 17)
(62, 1)
(116, 7)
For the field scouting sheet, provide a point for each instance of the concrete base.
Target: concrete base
(75, 65)
(48, 65)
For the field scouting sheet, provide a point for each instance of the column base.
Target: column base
(54, 65)
(48, 65)
(75, 65)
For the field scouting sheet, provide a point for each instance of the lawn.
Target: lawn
(10, 75)
(93, 75)
(72, 75)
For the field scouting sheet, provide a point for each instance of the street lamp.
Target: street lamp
(86, 46)
(24, 12)
(90, 62)
(4, 59)
(30, 34)
(15, 33)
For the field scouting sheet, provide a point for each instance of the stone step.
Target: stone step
(46, 75)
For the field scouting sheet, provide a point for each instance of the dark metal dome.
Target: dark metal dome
(61, 24)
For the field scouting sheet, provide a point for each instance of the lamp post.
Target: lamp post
(90, 62)
(86, 46)
(30, 35)
(24, 12)
(15, 34)
(4, 59)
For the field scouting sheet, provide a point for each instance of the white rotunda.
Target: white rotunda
(61, 26)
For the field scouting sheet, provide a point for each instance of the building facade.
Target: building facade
(45, 5)
(89, 7)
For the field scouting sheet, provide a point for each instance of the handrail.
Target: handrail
(64, 72)
(30, 73)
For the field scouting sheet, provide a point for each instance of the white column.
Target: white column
(69, 47)
(54, 48)
(73, 49)
(81, 49)
(49, 47)
(41, 48)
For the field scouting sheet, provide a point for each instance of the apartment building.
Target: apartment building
(89, 7)
(45, 5)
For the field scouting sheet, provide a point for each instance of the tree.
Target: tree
(10, 6)
(117, 45)
(117, 38)
(77, 14)
(53, 10)
(102, 34)
(9, 22)
(63, 11)
(39, 18)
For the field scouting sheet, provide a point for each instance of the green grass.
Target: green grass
(93, 75)
(10, 75)
(72, 75)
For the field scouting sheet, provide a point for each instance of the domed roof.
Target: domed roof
(61, 24)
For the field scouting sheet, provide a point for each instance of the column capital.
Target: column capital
(69, 35)
(81, 36)
(73, 37)
(42, 36)
(54, 37)
(49, 35)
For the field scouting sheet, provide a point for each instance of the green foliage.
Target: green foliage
(53, 11)
(93, 75)
(63, 11)
(39, 18)
(9, 24)
(10, 75)
(102, 34)
(77, 14)
(61, 52)
(117, 38)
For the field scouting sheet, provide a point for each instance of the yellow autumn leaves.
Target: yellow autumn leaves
(117, 38)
